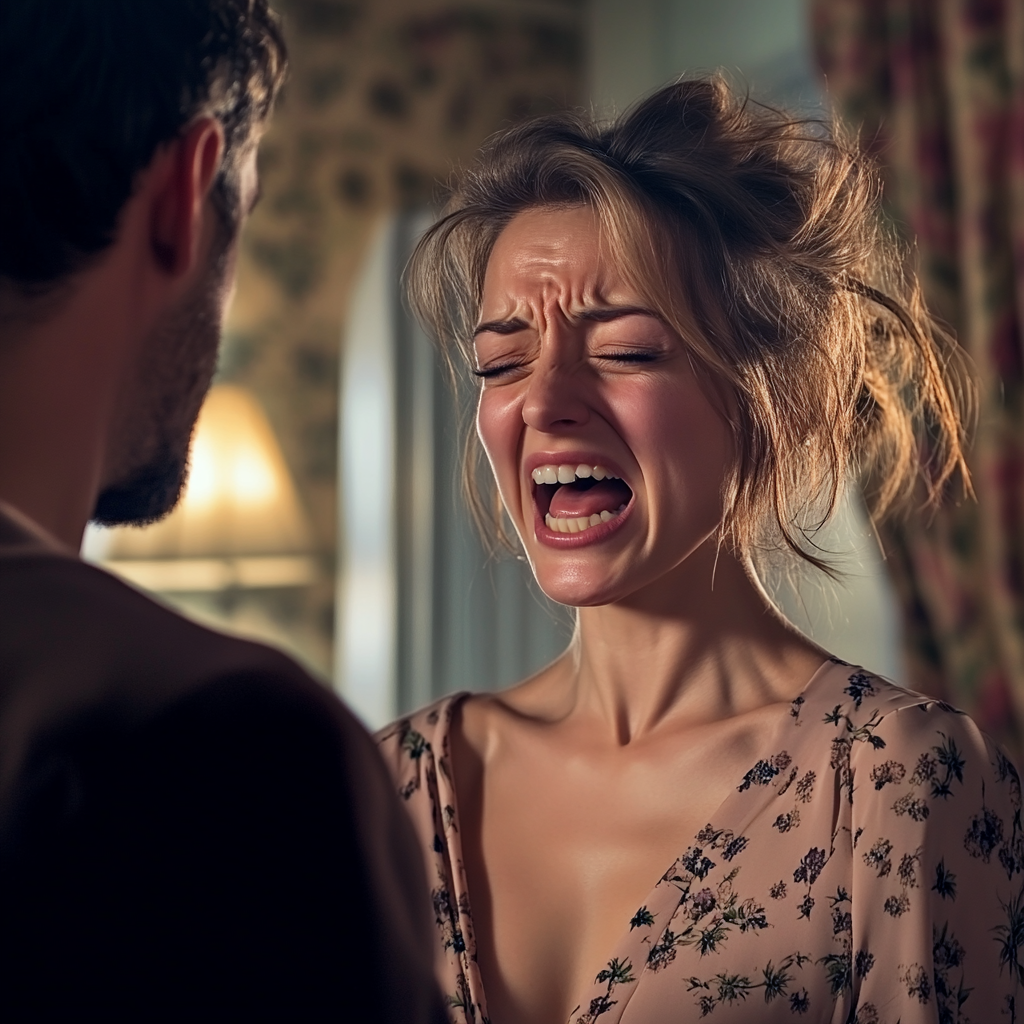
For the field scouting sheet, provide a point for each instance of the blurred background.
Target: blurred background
(323, 513)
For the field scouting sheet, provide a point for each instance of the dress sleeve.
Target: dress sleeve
(938, 910)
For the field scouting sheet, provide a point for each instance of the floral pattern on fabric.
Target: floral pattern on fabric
(868, 869)
(417, 750)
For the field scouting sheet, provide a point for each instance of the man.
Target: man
(190, 827)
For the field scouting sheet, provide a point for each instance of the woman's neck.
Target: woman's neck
(702, 644)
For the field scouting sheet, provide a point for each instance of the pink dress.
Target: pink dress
(866, 870)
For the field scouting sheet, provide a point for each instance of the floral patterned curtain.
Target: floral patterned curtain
(937, 89)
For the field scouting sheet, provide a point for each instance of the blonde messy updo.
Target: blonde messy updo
(758, 237)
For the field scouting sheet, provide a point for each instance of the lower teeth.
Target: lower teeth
(580, 524)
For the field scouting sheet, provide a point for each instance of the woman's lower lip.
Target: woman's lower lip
(593, 535)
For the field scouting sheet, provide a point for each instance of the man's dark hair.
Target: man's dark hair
(89, 89)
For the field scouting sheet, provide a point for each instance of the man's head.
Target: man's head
(101, 100)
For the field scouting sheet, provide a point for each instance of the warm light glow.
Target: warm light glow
(252, 479)
(202, 477)
(239, 500)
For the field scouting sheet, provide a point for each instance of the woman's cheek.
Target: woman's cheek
(677, 436)
(499, 426)
(648, 414)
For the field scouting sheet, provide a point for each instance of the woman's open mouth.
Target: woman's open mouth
(575, 498)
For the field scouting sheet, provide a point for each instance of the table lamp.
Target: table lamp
(239, 523)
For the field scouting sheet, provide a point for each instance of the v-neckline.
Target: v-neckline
(660, 898)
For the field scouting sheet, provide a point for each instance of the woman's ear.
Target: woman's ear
(180, 179)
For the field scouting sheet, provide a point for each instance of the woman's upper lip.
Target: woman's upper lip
(574, 457)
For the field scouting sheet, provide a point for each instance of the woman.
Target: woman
(688, 329)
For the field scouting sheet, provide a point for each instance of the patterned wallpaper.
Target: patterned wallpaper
(385, 97)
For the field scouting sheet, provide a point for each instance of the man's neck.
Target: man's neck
(59, 377)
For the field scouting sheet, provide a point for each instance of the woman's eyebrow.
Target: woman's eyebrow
(602, 315)
(501, 326)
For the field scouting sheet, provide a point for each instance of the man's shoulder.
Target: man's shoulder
(157, 773)
(69, 623)
(78, 644)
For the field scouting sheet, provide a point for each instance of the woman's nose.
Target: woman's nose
(556, 396)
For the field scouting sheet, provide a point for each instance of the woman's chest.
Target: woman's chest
(568, 852)
(766, 930)
(755, 916)
(755, 919)
(560, 894)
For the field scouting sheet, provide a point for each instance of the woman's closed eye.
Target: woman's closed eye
(630, 356)
(499, 371)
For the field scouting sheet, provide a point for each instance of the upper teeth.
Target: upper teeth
(566, 474)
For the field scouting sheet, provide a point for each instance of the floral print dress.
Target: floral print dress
(866, 870)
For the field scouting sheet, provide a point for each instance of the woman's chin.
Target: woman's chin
(577, 588)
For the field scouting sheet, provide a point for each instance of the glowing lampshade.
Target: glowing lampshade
(239, 521)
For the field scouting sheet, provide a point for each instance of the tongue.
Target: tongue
(571, 502)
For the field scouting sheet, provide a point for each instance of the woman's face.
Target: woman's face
(609, 458)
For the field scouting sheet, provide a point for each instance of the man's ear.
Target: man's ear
(182, 175)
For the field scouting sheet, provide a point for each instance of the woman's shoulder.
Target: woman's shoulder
(424, 721)
(885, 738)
(935, 845)
(854, 703)
(416, 743)
(840, 688)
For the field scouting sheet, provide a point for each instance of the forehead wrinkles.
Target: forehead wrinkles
(567, 255)
(539, 290)
(556, 301)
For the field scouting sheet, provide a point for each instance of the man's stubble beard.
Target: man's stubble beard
(180, 359)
